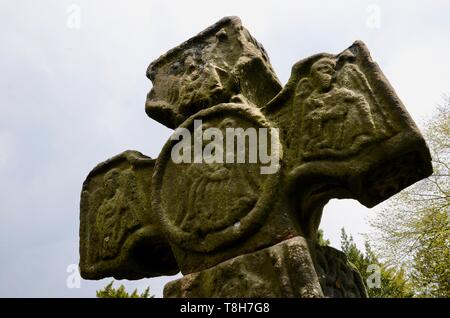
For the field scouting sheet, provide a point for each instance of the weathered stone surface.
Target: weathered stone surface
(222, 61)
(211, 212)
(282, 270)
(119, 233)
(338, 277)
(235, 231)
(293, 268)
(345, 134)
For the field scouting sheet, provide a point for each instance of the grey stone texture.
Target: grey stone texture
(282, 270)
(222, 61)
(119, 233)
(338, 129)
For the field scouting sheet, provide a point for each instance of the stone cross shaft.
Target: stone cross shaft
(336, 130)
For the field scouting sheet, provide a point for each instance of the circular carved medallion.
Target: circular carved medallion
(209, 203)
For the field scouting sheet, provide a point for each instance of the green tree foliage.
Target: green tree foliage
(412, 231)
(110, 292)
(430, 272)
(388, 284)
(321, 240)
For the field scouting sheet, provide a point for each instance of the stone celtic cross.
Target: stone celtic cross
(339, 131)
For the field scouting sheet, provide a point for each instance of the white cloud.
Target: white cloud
(6, 150)
(70, 98)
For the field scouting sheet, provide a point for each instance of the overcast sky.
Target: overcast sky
(72, 95)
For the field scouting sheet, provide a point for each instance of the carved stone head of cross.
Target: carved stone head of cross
(244, 224)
